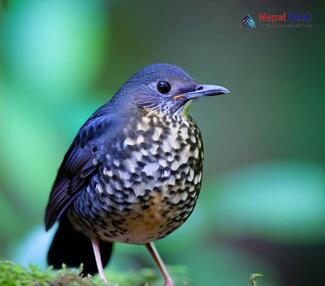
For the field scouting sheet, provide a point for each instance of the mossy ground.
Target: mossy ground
(12, 274)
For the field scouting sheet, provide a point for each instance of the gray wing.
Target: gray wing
(78, 166)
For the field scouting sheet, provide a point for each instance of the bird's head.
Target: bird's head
(165, 87)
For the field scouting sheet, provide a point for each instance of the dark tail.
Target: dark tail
(73, 248)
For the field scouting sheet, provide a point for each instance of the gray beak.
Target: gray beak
(206, 90)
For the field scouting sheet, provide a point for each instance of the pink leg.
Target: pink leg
(95, 245)
(153, 251)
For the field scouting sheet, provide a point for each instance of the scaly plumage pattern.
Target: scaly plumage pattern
(147, 183)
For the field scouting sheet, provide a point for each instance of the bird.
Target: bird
(133, 172)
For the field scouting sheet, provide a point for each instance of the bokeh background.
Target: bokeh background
(262, 206)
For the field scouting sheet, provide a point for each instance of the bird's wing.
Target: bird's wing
(78, 165)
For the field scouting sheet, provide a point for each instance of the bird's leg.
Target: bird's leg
(162, 267)
(98, 258)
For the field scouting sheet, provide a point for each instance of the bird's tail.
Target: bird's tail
(73, 248)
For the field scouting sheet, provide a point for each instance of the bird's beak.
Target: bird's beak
(203, 90)
(207, 90)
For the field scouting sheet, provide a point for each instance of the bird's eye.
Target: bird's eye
(163, 87)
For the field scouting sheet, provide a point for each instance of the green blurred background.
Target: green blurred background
(262, 206)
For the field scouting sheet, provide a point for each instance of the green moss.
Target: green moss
(12, 274)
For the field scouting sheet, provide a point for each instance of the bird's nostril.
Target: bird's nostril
(200, 87)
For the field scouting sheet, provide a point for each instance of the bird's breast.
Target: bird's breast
(150, 178)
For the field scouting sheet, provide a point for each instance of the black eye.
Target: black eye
(163, 87)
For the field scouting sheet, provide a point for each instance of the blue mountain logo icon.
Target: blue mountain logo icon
(248, 22)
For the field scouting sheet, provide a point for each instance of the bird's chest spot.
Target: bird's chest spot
(156, 153)
(164, 136)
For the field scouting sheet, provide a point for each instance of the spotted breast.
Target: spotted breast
(148, 182)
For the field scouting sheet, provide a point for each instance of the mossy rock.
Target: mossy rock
(12, 274)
